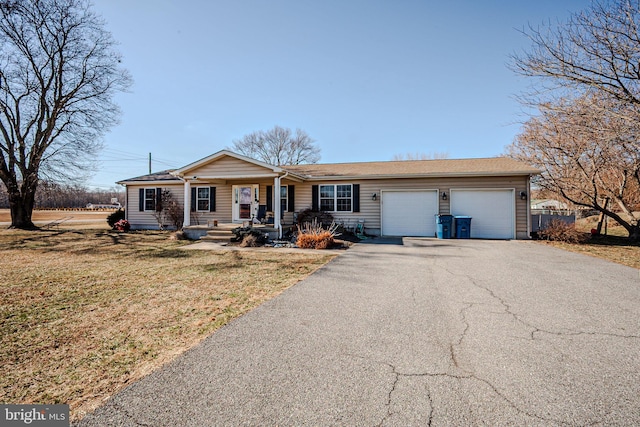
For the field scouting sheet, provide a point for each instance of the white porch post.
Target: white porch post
(276, 207)
(187, 204)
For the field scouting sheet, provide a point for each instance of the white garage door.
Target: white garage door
(492, 211)
(409, 213)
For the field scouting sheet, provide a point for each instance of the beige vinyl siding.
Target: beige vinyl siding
(230, 167)
(145, 220)
(370, 209)
(223, 205)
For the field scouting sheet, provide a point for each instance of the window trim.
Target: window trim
(208, 199)
(335, 197)
(154, 198)
(284, 200)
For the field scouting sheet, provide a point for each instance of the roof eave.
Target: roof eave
(155, 182)
(222, 153)
(422, 175)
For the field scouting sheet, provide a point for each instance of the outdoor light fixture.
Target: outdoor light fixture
(523, 195)
(444, 196)
(374, 196)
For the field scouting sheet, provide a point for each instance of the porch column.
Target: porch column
(276, 206)
(187, 204)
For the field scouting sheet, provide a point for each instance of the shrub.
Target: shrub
(115, 217)
(241, 233)
(309, 216)
(168, 211)
(313, 236)
(122, 225)
(315, 241)
(250, 241)
(561, 231)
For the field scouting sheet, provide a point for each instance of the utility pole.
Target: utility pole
(149, 163)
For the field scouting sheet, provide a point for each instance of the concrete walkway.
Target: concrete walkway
(429, 332)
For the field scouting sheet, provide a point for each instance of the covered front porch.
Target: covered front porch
(227, 190)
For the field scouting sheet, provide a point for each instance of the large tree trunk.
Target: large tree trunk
(634, 233)
(21, 206)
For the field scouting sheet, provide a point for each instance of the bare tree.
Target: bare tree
(436, 155)
(279, 146)
(588, 151)
(59, 71)
(598, 48)
(168, 211)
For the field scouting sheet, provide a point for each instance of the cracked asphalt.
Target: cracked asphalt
(428, 332)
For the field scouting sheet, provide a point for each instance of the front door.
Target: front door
(245, 202)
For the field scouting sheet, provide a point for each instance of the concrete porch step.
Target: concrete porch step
(218, 234)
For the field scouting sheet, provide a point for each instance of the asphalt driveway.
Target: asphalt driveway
(430, 332)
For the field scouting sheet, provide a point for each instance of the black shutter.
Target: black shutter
(193, 199)
(356, 197)
(315, 198)
(269, 198)
(291, 194)
(212, 199)
(158, 199)
(141, 200)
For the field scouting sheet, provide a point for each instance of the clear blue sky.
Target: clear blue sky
(367, 79)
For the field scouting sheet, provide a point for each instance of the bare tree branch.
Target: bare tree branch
(279, 146)
(59, 71)
(597, 48)
(587, 149)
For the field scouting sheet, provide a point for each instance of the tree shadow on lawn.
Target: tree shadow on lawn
(107, 242)
(612, 241)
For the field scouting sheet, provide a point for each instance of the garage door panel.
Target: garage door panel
(409, 213)
(493, 212)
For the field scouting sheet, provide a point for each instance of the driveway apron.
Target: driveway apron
(425, 332)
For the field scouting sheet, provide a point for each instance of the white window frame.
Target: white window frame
(335, 197)
(153, 199)
(198, 199)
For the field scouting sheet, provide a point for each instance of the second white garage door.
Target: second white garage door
(492, 212)
(409, 213)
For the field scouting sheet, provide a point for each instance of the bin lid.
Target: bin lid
(462, 217)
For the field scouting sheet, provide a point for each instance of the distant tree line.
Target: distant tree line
(52, 195)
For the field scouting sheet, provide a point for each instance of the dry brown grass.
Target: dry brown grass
(43, 216)
(613, 247)
(84, 313)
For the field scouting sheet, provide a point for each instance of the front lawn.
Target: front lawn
(612, 248)
(615, 246)
(84, 313)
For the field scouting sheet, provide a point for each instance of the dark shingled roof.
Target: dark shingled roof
(156, 176)
(445, 167)
(493, 166)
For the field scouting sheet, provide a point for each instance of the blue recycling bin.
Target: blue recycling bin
(443, 226)
(463, 227)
